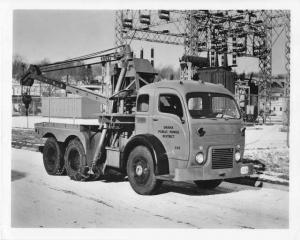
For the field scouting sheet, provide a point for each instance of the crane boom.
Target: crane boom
(36, 72)
(131, 74)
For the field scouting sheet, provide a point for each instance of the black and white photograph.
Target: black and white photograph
(149, 117)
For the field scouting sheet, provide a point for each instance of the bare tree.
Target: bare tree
(19, 66)
(168, 73)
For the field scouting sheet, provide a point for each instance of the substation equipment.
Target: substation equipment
(210, 39)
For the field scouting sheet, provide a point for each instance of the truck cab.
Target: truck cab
(200, 128)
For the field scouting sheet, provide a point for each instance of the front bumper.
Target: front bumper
(204, 173)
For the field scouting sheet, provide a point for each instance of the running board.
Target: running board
(166, 177)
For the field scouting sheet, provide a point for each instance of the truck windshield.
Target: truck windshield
(212, 105)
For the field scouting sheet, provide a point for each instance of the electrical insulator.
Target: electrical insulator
(145, 19)
(234, 59)
(258, 22)
(127, 23)
(219, 14)
(256, 52)
(252, 14)
(212, 59)
(234, 42)
(164, 14)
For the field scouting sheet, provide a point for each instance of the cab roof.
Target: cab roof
(187, 86)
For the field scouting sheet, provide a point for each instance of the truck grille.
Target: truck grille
(222, 158)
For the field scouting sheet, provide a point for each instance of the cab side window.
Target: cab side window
(170, 103)
(143, 103)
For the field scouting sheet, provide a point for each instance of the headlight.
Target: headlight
(200, 158)
(237, 156)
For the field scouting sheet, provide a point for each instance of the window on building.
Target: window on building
(280, 109)
(143, 103)
(274, 109)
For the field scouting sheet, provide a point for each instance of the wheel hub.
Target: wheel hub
(139, 170)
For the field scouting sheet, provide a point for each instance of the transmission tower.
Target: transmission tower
(214, 34)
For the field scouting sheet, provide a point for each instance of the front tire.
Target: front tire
(208, 184)
(53, 157)
(140, 171)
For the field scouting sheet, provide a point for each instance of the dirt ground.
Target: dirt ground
(40, 200)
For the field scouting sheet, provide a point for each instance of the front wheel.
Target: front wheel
(140, 171)
(208, 184)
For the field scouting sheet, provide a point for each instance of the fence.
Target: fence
(18, 108)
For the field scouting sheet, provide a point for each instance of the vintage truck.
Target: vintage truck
(167, 130)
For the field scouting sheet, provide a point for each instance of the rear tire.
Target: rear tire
(208, 184)
(53, 157)
(140, 171)
(75, 159)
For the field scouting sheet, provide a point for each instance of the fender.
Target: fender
(156, 148)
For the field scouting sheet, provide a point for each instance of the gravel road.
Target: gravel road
(40, 200)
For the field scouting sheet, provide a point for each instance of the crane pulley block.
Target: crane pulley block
(27, 79)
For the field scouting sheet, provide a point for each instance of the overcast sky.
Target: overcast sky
(60, 34)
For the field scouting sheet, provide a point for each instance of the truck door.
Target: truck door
(170, 125)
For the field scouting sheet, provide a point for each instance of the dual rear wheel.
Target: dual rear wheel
(70, 160)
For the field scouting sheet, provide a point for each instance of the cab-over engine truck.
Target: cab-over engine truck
(152, 131)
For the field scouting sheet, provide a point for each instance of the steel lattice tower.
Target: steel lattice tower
(249, 33)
